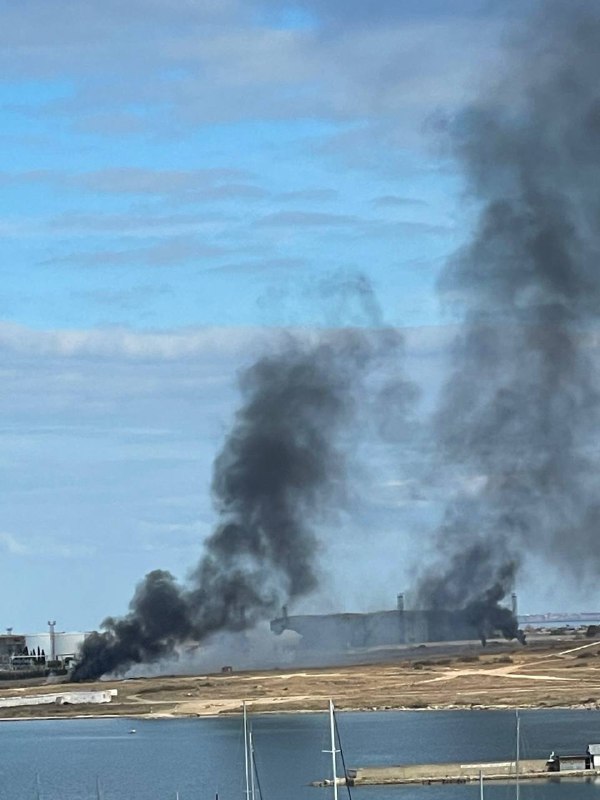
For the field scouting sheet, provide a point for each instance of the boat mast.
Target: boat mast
(517, 765)
(251, 754)
(246, 751)
(333, 751)
(480, 785)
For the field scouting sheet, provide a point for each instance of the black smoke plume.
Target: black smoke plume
(281, 465)
(519, 414)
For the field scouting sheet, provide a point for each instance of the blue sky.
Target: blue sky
(178, 180)
(181, 164)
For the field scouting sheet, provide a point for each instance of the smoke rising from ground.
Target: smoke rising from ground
(519, 411)
(281, 467)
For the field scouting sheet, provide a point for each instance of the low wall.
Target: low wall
(59, 698)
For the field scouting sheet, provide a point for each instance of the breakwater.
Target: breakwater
(530, 769)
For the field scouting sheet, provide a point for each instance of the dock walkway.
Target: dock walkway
(531, 769)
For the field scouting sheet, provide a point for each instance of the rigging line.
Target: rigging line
(252, 770)
(255, 766)
(246, 772)
(337, 733)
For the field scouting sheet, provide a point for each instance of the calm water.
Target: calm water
(200, 757)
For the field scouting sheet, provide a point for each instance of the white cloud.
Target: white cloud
(37, 547)
(208, 66)
(122, 343)
(186, 343)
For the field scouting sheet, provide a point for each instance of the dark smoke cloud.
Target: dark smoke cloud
(519, 412)
(281, 466)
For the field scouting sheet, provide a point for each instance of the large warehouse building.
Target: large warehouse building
(380, 628)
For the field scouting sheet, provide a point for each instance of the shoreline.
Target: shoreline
(549, 675)
(298, 712)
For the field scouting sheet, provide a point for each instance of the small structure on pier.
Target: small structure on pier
(594, 753)
(574, 761)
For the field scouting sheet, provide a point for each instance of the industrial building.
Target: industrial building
(381, 628)
(10, 646)
(33, 650)
(60, 646)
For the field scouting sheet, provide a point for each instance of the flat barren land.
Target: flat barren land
(557, 671)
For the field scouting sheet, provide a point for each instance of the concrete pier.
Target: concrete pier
(530, 769)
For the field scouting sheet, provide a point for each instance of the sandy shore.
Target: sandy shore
(559, 673)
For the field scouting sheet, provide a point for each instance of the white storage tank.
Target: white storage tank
(66, 644)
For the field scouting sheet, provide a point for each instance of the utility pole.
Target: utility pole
(51, 626)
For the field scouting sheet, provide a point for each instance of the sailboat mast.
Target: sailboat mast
(251, 753)
(517, 787)
(333, 750)
(246, 771)
(480, 785)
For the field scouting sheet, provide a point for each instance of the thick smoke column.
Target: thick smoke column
(281, 465)
(519, 413)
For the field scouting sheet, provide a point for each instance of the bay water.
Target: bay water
(199, 758)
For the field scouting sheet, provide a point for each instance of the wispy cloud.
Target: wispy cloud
(204, 65)
(128, 344)
(397, 201)
(129, 180)
(171, 252)
(135, 297)
(36, 547)
(190, 184)
(262, 265)
(312, 195)
(134, 223)
(309, 219)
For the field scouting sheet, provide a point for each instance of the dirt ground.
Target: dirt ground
(553, 672)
